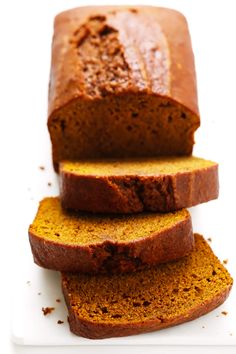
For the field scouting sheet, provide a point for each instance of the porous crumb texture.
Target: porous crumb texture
(87, 243)
(135, 185)
(139, 166)
(54, 224)
(104, 98)
(108, 306)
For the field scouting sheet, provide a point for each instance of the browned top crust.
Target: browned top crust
(154, 40)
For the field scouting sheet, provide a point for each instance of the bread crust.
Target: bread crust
(182, 88)
(108, 256)
(92, 330)
(137, 193)
(174, 81)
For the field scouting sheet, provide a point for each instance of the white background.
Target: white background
(25, 40)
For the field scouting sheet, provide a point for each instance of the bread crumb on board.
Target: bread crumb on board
(58, 300)
(47, 310)
(42, 168)
(209, 239)
(60, 322)
(225, 313)
(225, 261)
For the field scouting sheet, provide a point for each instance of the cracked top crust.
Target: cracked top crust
(141, 49)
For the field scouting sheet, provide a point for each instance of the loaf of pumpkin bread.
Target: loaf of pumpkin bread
(88, 243)
(135, 185)
(105, 306)
(122, 84)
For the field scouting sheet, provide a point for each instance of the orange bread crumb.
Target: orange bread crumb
(82, 242)
(104, 306)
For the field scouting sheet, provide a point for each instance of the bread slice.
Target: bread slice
(105, 306)
(87, 243)
(122, 84)
(135, 185)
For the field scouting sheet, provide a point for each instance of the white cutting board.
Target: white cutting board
(215, 140)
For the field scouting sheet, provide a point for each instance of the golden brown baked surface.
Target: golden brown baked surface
(104, 306)
(134, 185)
(85, 242)
(114, 94)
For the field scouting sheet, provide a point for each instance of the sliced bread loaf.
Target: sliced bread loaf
(104, 306)
(87, 243)
(136, 185)
(112, 92)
